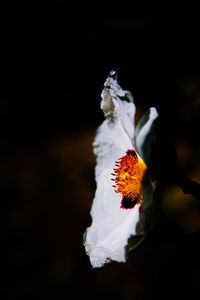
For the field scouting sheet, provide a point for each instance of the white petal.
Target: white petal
(116, 133)
(118, 104)
(110, 144)
(144, 133)
(107, 238)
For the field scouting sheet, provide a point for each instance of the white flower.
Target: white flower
(122, 152)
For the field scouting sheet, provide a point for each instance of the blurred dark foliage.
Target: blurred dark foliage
(163, 168)
(54, 58)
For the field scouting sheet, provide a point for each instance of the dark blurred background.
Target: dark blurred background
(54, 58)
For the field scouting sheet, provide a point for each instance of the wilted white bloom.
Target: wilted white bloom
(122, 153)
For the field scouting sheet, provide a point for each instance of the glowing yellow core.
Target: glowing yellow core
(128, 175)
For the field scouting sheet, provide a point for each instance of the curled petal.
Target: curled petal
(117, 104)
(144, 133)
(116, 133)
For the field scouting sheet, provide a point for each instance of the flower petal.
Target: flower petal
(116, 133)
(118, 103)
(144, 133)
(107, 237)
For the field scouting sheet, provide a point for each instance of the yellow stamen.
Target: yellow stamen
(128, 175)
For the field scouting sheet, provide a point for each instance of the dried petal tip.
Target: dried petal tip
(113, 74)
(111, 81)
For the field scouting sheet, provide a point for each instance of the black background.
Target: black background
(54, 58)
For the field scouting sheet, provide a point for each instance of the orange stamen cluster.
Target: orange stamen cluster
(128, 175)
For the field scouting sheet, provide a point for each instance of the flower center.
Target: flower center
(128, 175)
